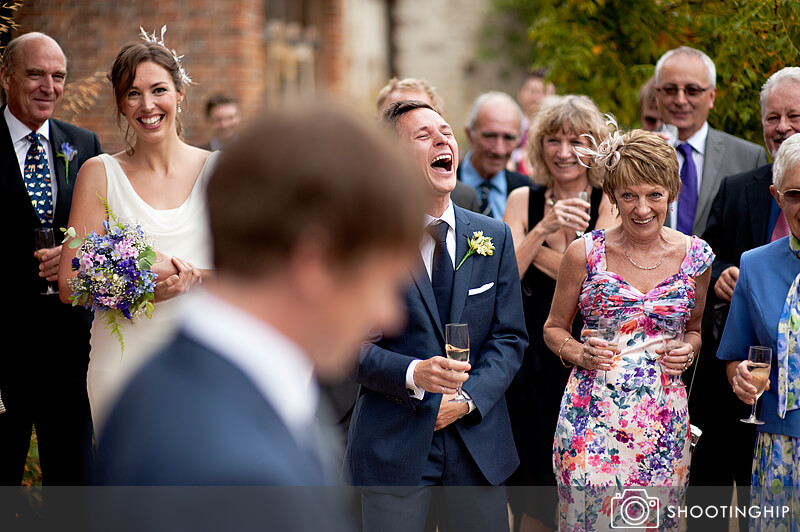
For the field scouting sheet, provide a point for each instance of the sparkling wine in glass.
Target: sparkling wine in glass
(759, 360)
(457, 348)
(672, 335)
(608, 330)
(582, 195)
(46, 239)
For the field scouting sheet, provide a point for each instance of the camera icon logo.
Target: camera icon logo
(633, 508)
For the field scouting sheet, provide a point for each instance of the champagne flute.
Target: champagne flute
(457, 348)
(672, 335)
(759, 360)
(582, 195)
(608, 330)
(46, 239)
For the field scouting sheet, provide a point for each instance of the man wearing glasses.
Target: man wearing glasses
(493, 131)
(686, 88)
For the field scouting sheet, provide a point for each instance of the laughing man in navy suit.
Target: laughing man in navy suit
(405, 433)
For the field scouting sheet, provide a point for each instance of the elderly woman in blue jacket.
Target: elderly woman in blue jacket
(765, 310)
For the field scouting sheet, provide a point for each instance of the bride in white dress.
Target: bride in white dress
(158, 181)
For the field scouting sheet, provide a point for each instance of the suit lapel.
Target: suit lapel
(11, 184)
(423, 282)
(712, 160)
(58, 137)
(463, 274)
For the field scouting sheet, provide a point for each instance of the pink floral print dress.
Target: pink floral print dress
(624, 429)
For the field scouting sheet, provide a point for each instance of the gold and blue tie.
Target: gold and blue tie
(37, 180)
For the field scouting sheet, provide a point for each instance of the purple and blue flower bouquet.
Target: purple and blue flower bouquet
(114, 272)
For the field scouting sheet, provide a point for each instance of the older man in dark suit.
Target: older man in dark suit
(406, 434)
(744, 215)
(43, 377)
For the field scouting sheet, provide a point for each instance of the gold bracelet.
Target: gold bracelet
(567, 339)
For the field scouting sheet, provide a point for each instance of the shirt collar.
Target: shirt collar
(19, 131)
(448, 216)
(276, 365)
(698, 140)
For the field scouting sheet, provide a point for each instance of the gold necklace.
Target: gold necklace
(638, 265)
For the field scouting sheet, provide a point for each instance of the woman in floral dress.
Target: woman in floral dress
(619, 428)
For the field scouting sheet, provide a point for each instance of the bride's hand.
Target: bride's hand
(177, 284)
(163, 267)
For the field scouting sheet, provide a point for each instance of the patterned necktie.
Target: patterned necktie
(687, 202)
(781, 228)
(442, 270)
(483, 193)
(37, 180)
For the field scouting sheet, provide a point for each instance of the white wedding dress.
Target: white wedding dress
(182, 232)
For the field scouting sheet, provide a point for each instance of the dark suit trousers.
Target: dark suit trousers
(59, 408)
(452, 488)
(724, 453)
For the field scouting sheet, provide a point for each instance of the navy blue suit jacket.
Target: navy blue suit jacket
(191, 418)
(391, 433)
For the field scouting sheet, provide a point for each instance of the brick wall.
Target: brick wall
(226, 49)
(222, 44)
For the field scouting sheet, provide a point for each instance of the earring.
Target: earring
(179, 108)
(612, 210)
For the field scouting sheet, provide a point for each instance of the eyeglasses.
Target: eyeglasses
(691, 91)
(791, 196)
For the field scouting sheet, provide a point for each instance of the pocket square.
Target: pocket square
(480, 289)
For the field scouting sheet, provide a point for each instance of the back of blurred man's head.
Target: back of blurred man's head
(316, 219)
(317, 170)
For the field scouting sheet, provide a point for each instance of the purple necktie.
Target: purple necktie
(687, 201)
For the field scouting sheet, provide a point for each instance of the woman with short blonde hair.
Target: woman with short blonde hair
(621, 422)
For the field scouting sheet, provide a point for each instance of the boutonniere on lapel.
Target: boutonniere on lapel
(67, 153)
(482, 245)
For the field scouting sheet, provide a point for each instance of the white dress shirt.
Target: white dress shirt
(698, 144)
(18, 132)
(275, 364)
(427, 245)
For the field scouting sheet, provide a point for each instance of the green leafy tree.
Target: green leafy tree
(607, 48)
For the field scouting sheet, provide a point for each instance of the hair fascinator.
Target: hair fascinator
(151, 37)
(606, 154)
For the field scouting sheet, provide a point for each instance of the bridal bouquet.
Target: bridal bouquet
(114, 272)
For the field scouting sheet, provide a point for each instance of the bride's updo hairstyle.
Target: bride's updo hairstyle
(635, 158)
(123, 71)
